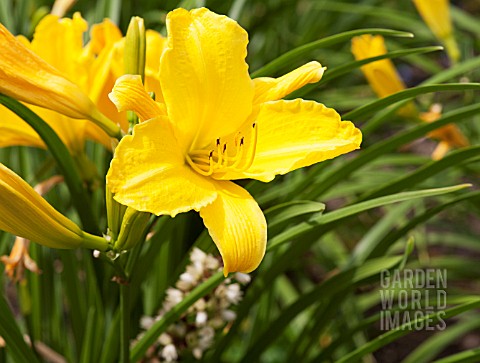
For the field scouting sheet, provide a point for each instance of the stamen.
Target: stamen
(206, 162)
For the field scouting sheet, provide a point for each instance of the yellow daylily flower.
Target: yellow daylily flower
(27, 74)
(450, 135)
(24, 213)
(436, 14)
(217, 125)
(384, 80)
(382, 74)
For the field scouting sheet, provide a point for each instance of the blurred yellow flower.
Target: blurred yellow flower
(39, 73)
(384, 80)
(24, 213)
(218, 125)
(436, 14)
(381, 74)
(450, 135)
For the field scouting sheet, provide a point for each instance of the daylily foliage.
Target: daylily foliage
(214, 125)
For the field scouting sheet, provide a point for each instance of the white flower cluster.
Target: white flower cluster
(195, 332)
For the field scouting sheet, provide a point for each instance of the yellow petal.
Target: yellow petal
(449, 135)
(294, 134)
(441, 150)
(272, 89)
(59, 42)
(103, 35)
(436, 13)
(381, 75)
(16, 132)
(156, 44)
(26, 214)
(27, 77)
(148, 172)
(204, 77)
(237, 226)
(129, 94)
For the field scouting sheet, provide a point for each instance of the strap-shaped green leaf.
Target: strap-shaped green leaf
(80, 199)
(287, 58)
(16, 346)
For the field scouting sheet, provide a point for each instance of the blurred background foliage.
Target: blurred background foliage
(316, 297)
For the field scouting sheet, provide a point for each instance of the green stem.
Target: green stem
(95, 242)
(63, 158)
(124, 323)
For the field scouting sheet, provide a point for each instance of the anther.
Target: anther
(218, 141)
(224, 148)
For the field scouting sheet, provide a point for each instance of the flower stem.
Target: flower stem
(124, 323)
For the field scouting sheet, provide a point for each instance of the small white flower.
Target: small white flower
(174, 296)
(169, 353)
(206, 335)
(212, 263)
(233, 293)
(242, 278)
(198, 256)
(229, 315)
(197, 353)
(146, 322)
(165, 339)
(201, 318)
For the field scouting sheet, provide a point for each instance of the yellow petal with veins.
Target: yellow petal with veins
(129, 94)
(272, 89)
(148, 172)
(294, 134)
(237, 226)
(204, 77)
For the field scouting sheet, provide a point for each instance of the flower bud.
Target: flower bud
(24, 213)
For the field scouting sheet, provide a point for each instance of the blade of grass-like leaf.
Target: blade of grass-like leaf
(395, 235)
(459, 69)
(286, 59)
(429, 349)
(368, 242)
(340, 282)
(404, 95)
(331, 74)
(468, 356)
(16, 346)
(341, 70)
(335, 175)
(285, 212)
(64, 160)
(305, 236)
(6, 17)
(463, 20)
(397, 17)
(351, 210)
(433, 167)
(393, 335)
(171, 316)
